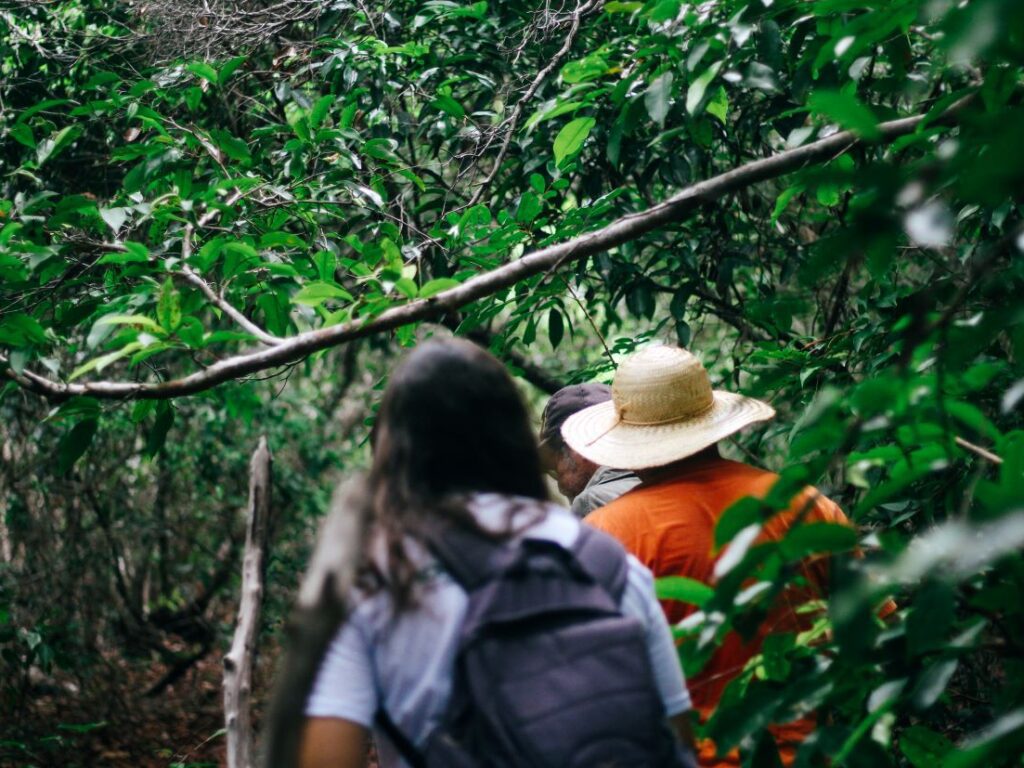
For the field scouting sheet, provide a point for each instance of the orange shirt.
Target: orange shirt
(669, 525)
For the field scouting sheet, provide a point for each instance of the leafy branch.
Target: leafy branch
(625, 229)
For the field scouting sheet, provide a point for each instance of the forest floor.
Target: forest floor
(103, 727)
(182, 727)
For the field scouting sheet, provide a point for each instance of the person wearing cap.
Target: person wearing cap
(587, 485)
(664, 421)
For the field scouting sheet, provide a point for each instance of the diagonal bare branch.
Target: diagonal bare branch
(217, 300)
(622, 230)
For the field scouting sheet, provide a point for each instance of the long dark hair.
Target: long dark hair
(451, 423)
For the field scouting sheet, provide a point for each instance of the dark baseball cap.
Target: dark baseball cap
(567, 401)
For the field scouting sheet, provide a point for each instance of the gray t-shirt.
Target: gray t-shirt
(604, 487)
(406, 663)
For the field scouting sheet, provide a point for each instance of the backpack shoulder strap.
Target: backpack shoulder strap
(470, 558)
(604, 559)
(405, 747)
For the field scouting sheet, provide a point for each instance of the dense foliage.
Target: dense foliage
(185, 183)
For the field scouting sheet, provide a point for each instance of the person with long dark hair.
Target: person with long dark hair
(455, 460)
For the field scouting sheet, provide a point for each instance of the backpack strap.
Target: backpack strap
(405, 747)
(604, 559)
(470, 558)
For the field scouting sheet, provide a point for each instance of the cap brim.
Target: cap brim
(598, 435)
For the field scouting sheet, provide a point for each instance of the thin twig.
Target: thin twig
(984, 453)
(512, 122)
(204, 287)
(590, 319)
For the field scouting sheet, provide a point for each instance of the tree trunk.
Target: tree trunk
(238, 662)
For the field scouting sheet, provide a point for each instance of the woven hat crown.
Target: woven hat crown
(660, 385)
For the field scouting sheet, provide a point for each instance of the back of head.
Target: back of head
(451, 422)
(566, 402)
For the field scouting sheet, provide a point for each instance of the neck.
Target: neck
(653, 474)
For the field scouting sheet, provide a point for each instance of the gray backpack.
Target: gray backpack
(548, 673)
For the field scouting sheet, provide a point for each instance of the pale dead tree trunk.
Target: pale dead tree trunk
(238, 662)
(322, 607)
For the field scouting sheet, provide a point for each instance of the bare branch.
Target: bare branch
(239, 660)
(211, 29)
(193, 277)
(622, 230)
(983, 452)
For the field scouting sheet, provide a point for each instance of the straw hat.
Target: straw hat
(662, 410)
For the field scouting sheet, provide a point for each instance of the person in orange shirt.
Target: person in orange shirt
(664, 422)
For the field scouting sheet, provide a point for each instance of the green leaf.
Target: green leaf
(474, 10)
(582, 70)
(556, 327)
(774, 655)
(77, 409)
(75, 443)
(683, 333)
(232, 146)
(275, 312)
(718, 107)
(846, 110)
(933, 682)
(21, 330)
(142, 320)
(973, 417)
(783, 200)
(551, 112)
(658, 97)
(622, 6)
(530, 206)
(114, 217)
(229, 69)
(22, 134)
(317, 292)
(191, 332)
(990, 746)
(571, 137)
(40, 106)
(741, 514)
(203, 70)
(281, 240)
(407, 287)
(168, 308)
(695, 93)
(665, 10)
(436, 286)
(101, 362)
(157, 437)
(683, 589)
(445, 103)
(57, 143)
(923, 747)
(815, 538)
(320, 110)
(932, 614)
(134, 253)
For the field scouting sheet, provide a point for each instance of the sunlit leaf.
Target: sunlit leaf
(571, 137)
(316, 293)
(846, 110)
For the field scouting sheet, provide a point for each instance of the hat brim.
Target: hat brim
(597, 434)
